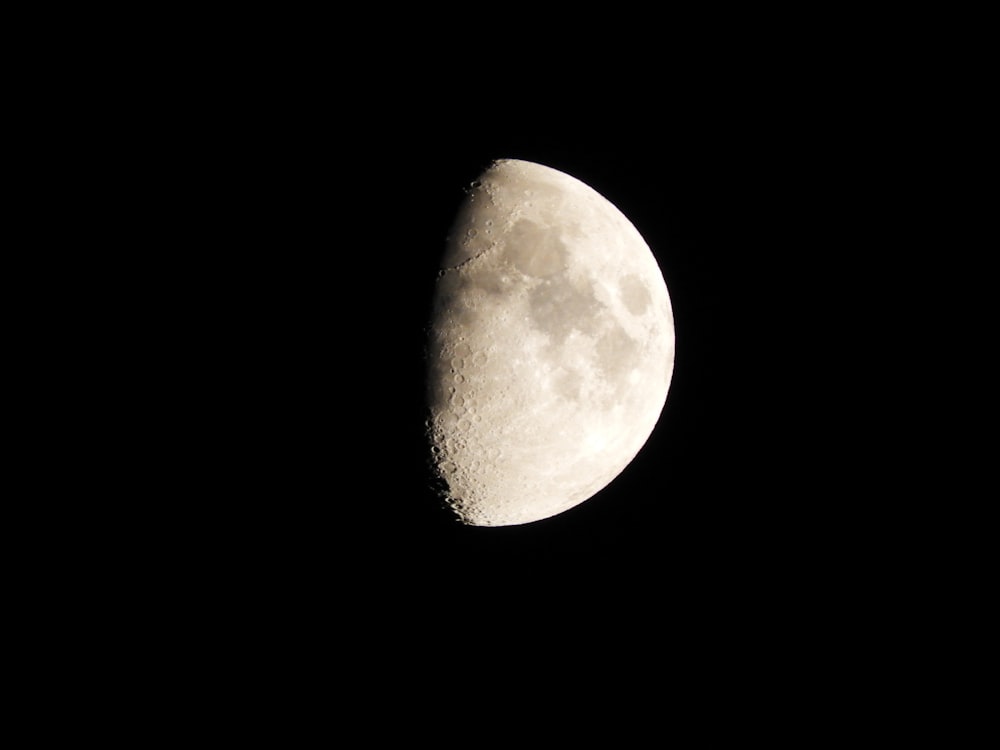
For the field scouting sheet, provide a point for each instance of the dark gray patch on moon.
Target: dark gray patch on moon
(635, 294)
(535, 250)
(558, 307)
(488, 279)
(568, 384)
(617, 353)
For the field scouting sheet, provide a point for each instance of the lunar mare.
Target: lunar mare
(550, 350)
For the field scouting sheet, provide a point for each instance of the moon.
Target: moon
(550, 347)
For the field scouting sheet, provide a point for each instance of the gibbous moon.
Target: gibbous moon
(550, 349)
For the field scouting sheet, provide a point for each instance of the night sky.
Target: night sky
(750, 496)
(731, 482)
(284, 204)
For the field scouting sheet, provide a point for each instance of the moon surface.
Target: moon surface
(550, 347)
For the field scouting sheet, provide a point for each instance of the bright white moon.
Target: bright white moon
(551, 347)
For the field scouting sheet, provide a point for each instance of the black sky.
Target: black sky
(285, 202)
(742, 221)
(329, 214)
(731, 483)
